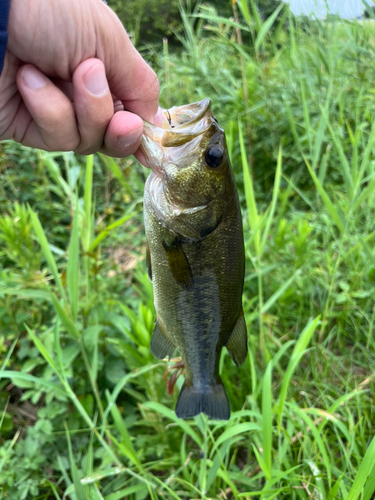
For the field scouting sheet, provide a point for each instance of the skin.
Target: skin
(70, 70)
(194, 232)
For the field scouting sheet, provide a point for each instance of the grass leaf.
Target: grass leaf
(47, 251)
(366, 468)
(73, 267)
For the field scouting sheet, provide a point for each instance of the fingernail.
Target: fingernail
(33, 78)
(131, 138)
(96, 81)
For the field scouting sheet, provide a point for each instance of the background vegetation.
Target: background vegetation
(84, 410)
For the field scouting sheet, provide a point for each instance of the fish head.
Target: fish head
(192, 176)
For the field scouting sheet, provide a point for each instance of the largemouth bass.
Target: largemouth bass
(195, 253)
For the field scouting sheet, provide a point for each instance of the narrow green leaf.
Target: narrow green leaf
(297, 353)
(116, 172)
(47, 251)
(364, 194)
(275, 195)
(126, 492)
(366, 468)
(64, 318)
(267, 25)
(270, 302)
(79, 489)
(344, 161)
(244, 8)
(166, 412)
(255, 12)
(249, 190)
(267, 421)
(73, 267)
(306, 114)
(234, 431)
(103, 234)
(318, 439)
(28, 293)
(13, 375)
(327, 202)
(367, 152)
(43, 351)
(87, 202)
(220, 20)
(368, 493)
(121, 427)
(332, 494)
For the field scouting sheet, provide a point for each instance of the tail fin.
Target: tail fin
(212, 401)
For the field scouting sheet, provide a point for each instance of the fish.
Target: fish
(195, 253)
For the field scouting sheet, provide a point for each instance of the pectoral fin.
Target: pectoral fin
(178, 263)
(237, 343)
(161, 346)
(148, 262)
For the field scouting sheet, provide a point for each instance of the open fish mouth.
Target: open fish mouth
(180, 125)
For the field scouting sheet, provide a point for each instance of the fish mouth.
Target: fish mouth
(180, 125)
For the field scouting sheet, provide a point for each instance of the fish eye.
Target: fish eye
(214, 156)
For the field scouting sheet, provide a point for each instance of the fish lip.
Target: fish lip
(155, 138)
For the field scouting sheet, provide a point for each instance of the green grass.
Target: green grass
(84, 410)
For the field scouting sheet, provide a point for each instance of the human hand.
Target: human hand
(69, 64)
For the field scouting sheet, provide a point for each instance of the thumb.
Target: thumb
(130, 78)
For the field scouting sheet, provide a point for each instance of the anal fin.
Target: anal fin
(161, 346)
(237, 343)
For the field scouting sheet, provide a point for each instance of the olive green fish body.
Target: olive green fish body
(196, 263)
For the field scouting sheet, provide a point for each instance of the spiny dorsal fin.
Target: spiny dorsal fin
(161, 346)
(178, 263)
(237, 343)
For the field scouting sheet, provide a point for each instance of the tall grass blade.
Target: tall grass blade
(317, 438)
(332, 494)
(267, 421)
(267, 25)
(43, 351)
(121, 427)
(166, 412)
(87, 202)
(270, 302)
(298, 351)
(66, 321)
(73, 267)
(116, 172)
(344, 161)
(14, 375)
(365, 469)
(275, 195)
(234, 431)
(103, 234)
(249, 190)
(326, 200)
(79, 489)
(43, 242)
